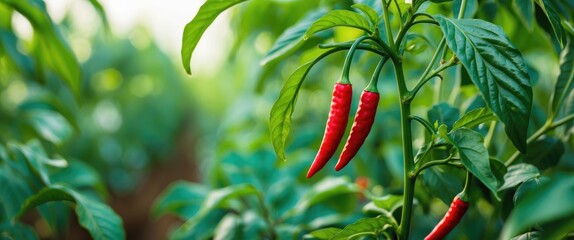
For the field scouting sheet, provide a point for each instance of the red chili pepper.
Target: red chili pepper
(361, 127)
(455, 213)
(336, 126)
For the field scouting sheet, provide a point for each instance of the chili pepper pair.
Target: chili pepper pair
(337, 124)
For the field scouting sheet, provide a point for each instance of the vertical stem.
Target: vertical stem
(409, 165)
(388, 25)
(462, 9)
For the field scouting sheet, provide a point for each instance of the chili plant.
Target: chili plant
(490, 144)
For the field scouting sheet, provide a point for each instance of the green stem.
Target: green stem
(347, 45)
(462, 9)
(432, 163)
(388, 24)
(465, 194)
(425, 124)
(432, 61)
(548, 126)
(372, 86)
(409, 164)
(347, 66)
(490, 134)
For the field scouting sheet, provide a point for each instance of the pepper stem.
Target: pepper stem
(347, 65)
(372, 86)
(465, 194)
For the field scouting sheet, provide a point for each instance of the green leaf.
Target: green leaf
(180, 198)
(545, 153)
(518, 174)
(525, 10)
(99, 219)
(325, 190)
(79, 175)
(214, 200)
(50, 46)
(474, 156)
(229, 228)
(443, 113)
(340, 18)
(474, 118)
(369, 12)
(50, 125)
(194, 29)
(551, 10)
(552, 201)
(389, 202)
(100, 9)
(497, 68)
(442, 183)
(363, 227)
(16, 231)
(565, 83)
(292, 37)
(280, 116)
(325, 233)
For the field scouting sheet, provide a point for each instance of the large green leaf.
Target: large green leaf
(442, 183)
(99, 219)
(497, 68)
(50, 47)
(545, 152)
(340, 18)
(280, 116)
(551, 10)
(194, 29)
(565, 84)
(518, 174)
(443, 113)
(181, 198)
(369, 12)
(474, 156)
(549, 202)
(474, 118)
(214, 200)
(292, 37)
(363, 227)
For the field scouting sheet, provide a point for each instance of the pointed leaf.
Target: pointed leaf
(292, 37)
(474, 155)
(280, 116)
(475, 118)
(340, 18)
(518, 174)
(565, 84)
(363, 227)
(99, 219)
(497, 68)
(50, 125)
(194, 29)
(551, 10)
(369, 12)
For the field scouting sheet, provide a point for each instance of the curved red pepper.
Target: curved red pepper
(336, 126)
(361, 127)
(455, 213)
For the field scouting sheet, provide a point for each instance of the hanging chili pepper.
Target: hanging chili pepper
(364, 119)
(336, 125)
(455, 213)
(338, 114)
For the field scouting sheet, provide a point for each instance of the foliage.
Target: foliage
(482, 64)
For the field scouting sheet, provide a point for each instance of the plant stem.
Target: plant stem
(388, 25)
(462, 9)
(409, 165)
(548, 126)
